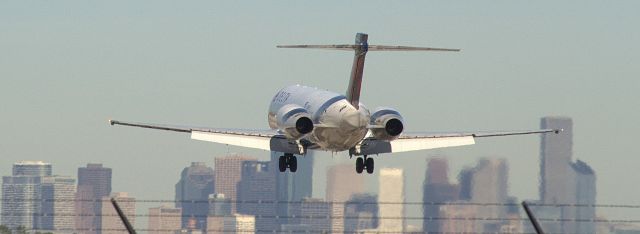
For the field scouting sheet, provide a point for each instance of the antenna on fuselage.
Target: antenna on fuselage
(361, 47)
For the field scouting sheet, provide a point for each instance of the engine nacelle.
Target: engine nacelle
(387, 124)
(294, 121)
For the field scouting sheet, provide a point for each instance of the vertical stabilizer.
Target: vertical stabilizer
(361, 47)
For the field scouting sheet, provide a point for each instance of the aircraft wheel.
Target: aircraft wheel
(293, 164)
(369, 165)
(282, 164)
(359, 165)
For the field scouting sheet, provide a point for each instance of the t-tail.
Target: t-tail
(361, 47)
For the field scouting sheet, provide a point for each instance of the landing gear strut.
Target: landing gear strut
(288, 161)
(364, 163)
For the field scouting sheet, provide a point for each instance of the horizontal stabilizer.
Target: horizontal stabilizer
(368, 47)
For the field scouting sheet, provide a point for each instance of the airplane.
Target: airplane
(304, 118)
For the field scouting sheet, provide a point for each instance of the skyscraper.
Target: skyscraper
(94, 183)
(360, 213)
(21, 194)
(555, 159)
(58, 193)
(228, 172)
(311, 215)
(164, 220)
(239, 223)
(585, 194)
(192, 192)
(219, 208)
(111, 223)
(458, 218)
(258, 183)
(390, 199)
(436, 190)
(487, 183)
(342, 183)
(557, 175)
(32, 168)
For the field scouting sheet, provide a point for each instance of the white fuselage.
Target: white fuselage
(338, 125)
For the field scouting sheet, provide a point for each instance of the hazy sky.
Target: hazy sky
(68, 66)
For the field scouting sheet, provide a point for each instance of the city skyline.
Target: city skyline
(71, 66)
(485, 182)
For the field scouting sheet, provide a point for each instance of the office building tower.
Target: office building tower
(360, 213)
(192, 193)
(391, 199)
(164, 220)
(585, 194)
(32, 168)
(239, 223)
(228, 172)
(219, 208)
(57, 193)
(457, 218)
(487, 183)
(555, 159)
(563, 181)
(258, 183)
(342, 183)
(20, 201)
(21, 194)
(111, 223)
(436, 190)
(94, 183)
(311, 215)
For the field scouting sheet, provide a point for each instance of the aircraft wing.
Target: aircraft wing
(425, 140)
(270, 140)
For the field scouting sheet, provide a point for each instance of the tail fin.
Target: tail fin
(361, 47)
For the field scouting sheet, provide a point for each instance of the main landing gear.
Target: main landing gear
(288, 161)
(364, 163)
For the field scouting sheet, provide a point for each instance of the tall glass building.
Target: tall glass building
(21, 194)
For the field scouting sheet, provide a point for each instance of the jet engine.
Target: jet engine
(294, 121)
(386, 124)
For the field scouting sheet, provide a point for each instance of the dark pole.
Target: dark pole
(124, 219)
(532, 218)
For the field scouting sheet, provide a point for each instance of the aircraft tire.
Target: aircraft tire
(282, 164)
(293, 164)
(369, 165)
(359, 165)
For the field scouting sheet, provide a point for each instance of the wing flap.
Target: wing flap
(255, 142)
(404, 145)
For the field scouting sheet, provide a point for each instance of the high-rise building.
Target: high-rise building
(192, 192)
(219, 208)
(391, 199)
(311, 215)
(585, 194)
(228, 172)
(487, 183)
(303, 179)
(360, 213)
(458, 218)
(436, 190)
(239, 223)
(20, 201)
(342, 183)
(111, 223)
(555, 159)
(94, 183)
(557, 180)
(32, 168)
(164, 220)
(21, 194)
(57, 193)
(258, 183)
